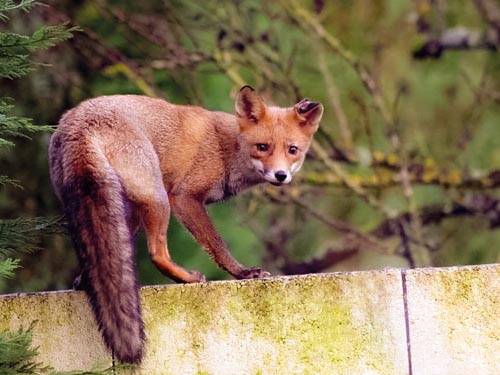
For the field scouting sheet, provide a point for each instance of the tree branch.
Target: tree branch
(473, 204)
(458, 38)
(461, 38)
(330, 258)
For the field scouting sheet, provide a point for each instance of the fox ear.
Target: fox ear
(249, 105)
(309, 113)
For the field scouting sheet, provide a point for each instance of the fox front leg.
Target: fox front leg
(193, 215)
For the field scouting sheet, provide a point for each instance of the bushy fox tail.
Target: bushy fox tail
(97, 211)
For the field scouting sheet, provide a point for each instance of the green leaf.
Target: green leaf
(15, 49)
(22, 235)
(5, 143)
(4, 180)
(9, 5)
(15, 66)
(116, 369)
(18, 355)
(48, 36)
(15, 126)
(7, 268)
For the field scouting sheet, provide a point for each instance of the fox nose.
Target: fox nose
(281, 176)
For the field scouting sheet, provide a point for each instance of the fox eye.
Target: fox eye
(262, 147)
(293, 150)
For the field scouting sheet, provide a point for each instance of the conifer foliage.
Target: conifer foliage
(17, 356)
(15, 61)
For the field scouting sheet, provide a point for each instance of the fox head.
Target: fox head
(276, 139)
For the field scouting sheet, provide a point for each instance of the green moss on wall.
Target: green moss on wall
(307, 325)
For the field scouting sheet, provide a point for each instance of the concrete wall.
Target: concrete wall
(425, 322)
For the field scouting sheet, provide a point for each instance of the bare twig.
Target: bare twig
(277, 235)
(329, 259)
(473, 204)
(98, 55)
(426, 173)
(352, 184)
(335, 101)
(309, 22)
(490, 12)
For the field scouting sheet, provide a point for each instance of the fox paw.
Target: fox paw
(196, 277)
(253, 273)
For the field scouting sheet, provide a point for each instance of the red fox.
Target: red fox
(125, 161)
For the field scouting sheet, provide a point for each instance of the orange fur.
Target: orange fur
(121, 162)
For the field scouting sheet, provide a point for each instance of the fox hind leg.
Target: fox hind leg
(150, 205)
(155, 217)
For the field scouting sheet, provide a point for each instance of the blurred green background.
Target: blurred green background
(404, 172)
